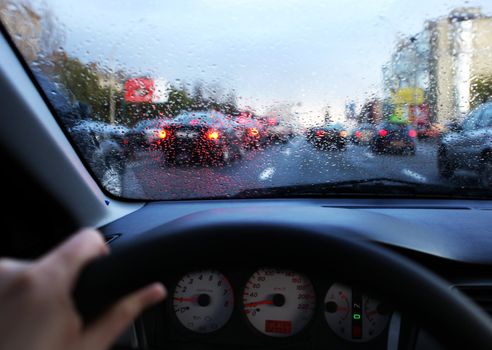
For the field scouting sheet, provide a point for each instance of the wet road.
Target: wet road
(296, 162)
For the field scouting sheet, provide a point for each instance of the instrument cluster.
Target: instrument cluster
(276, 303)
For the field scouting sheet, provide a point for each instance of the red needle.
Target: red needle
(191, 300)
(256, 303)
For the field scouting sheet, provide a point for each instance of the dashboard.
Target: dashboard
(267, 306)
(283, 304)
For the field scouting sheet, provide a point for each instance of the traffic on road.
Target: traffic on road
(218, 156)
(178, 119)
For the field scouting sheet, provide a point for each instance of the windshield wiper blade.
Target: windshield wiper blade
(380, 186)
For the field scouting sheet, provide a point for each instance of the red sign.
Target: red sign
(139, 90)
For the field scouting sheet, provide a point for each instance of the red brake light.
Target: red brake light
(162, 134)
(320, 133)
(213, 135)
(253, 131)
(412, 133)
(358, 134)
(383, 132)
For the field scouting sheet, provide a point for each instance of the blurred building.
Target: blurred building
(442, 61)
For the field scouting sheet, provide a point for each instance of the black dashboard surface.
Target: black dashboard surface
(452, 238)
(460, 231)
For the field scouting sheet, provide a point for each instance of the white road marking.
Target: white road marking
(369, 155)
(267, 174)
(415, 175)
(287, 151)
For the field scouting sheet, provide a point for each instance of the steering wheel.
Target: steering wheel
(416, 292)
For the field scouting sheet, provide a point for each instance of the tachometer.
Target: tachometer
(353, 315)
(279, 303)
(203, 301)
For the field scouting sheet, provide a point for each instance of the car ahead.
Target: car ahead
(468, 145)
(394, 138)
(145, 135)
(209, 137)
(102, 142)
(104, 148)
(277, 130)
(363, 134)
(102, 145)
(252, 132)
(330, 136)
(427, 131)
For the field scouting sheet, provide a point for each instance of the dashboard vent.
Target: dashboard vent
(111, 237)
(480, 294)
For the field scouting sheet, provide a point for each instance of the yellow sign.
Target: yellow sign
(411, 96)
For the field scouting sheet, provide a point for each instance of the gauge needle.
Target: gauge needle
(191, 300)
(256, 303)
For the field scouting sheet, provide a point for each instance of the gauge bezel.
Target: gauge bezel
(181, 327)
(300, 334)
(353, 341)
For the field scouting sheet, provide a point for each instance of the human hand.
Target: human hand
(36, 306)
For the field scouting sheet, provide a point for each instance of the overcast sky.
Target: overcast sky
(312, 53)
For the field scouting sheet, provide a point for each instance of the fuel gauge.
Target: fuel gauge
(353, 315)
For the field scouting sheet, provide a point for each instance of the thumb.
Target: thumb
(103, 332)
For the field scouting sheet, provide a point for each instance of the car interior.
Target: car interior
(342, 270)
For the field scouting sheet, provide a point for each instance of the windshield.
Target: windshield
(213, 98)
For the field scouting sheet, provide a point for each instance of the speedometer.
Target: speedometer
(279, 303)
(353, 315)
(203, 301)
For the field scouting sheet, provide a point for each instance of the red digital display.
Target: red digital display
(356, 332)
(280, 327)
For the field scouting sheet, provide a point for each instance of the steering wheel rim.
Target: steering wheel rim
(451, 317)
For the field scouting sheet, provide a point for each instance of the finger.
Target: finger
(9, 268)
(103, 332)
(72, 255)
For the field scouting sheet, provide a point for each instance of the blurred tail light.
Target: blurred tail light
(253, 132)
(358, 134)
(162, 134)
(383, 132)
(213, 135)
(412, 133)
(320, 133)
(343, 133)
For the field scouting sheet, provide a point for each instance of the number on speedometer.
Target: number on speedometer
(203, 301)
(279, 303)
